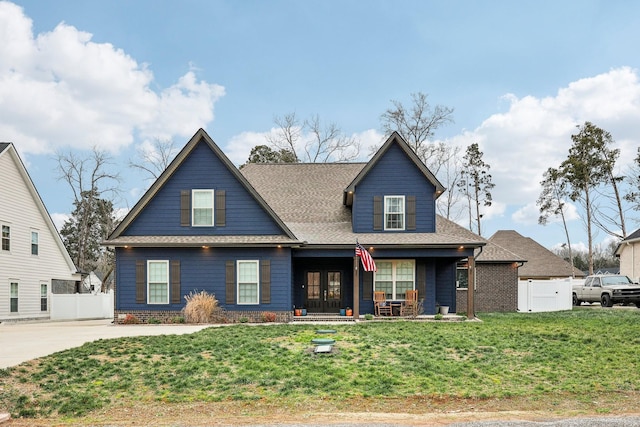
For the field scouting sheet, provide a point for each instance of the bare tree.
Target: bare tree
(476, 184)
(154, 159)
(633, 179)
(551, 202)
(313, 141)
(417, 124)
(92, 219)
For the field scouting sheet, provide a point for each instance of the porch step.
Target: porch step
(322, 317)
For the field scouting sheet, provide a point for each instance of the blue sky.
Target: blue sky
(520, 76)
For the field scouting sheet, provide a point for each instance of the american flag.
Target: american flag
(367, 260)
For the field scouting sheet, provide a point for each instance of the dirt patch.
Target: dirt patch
(412, 411)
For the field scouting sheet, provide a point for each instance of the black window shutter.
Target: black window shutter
(220, 208)
(141, 280)
(367, 285)
(231, 282)
(377, 212)
(411, 212)
(185, 208)
(265, 281)
(421, 280)
(175, 282)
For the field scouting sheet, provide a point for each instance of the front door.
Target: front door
(324, 291)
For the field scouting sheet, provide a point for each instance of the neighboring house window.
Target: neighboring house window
(202, 210)
(394, 212)
(13, 297)
(44, 297)
(158, 282)
(6, 238)
(34, 243)
(394, 278)
(462, 276)
(248, 282)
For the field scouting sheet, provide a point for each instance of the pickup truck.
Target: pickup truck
(608, 289)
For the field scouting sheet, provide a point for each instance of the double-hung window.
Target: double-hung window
(44, 297)
(6, 238)
(13, 297)
(158, 282)
(34, 243)
(394, 213)
(248, 284)
(395, 278)
(202, 208)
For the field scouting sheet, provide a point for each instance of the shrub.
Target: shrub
(153, 321)
(438, 316)
(201, 307)
(243, 320)
(368, 316)
(130, 319)
(177, 319)
(268, 316)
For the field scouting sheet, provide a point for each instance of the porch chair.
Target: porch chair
(410, 305)
(381, 306)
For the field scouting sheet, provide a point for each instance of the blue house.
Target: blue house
(271, 237)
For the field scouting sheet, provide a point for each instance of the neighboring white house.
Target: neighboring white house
(32, 255)
(629, 253)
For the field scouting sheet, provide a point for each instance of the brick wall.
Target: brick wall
(496, 291)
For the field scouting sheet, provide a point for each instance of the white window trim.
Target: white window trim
(45, 296)
(17, 283)
(2, 237)
(193, 207)
(404, 213)
(166, 263)
(257, 265)
(393, 276)
(37, 233)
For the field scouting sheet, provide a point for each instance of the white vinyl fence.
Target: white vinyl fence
(81, 306)
(544, 295)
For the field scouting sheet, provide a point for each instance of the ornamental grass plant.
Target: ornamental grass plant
(201, 307)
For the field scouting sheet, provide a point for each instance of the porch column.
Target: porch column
(471, 285)
(356, 288)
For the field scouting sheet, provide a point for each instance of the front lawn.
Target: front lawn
(576, 356)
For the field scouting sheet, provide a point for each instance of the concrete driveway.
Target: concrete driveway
(20, 342)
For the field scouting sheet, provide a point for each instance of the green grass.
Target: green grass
(575, 353)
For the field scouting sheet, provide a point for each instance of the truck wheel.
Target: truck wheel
(638, 304)
(576, 301)
(606, 301)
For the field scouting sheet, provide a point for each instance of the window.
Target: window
(158, 282)
(13, 297)
(395, 278)
(394, 212)
(202, 201)
(462, 276)
(44, 297)
(6, 238)
(248, 282)
(34, 243)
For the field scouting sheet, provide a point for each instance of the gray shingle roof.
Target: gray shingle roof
(195, 241)
(541, 262)
(308, 197)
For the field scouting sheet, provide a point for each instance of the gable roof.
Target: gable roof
(396, 139)
(116, 237)
(631, 238)
(308, 197)
(7, 149)
(541, 262)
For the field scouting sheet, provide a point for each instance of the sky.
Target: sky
(519, 75)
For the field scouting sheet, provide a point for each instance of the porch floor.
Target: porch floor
(322, 317)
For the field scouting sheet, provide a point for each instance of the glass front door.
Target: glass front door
(324, 291)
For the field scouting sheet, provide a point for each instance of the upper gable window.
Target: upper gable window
(6, 238)
(34, 243)
(394, 213)
(202, 207)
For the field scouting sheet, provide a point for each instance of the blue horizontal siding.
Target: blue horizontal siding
(203, 269)
(202, 169)
(394, 175)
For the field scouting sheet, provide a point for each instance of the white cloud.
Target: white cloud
(59, 219)
(60, 89)
(529, 214)
(535, 133)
